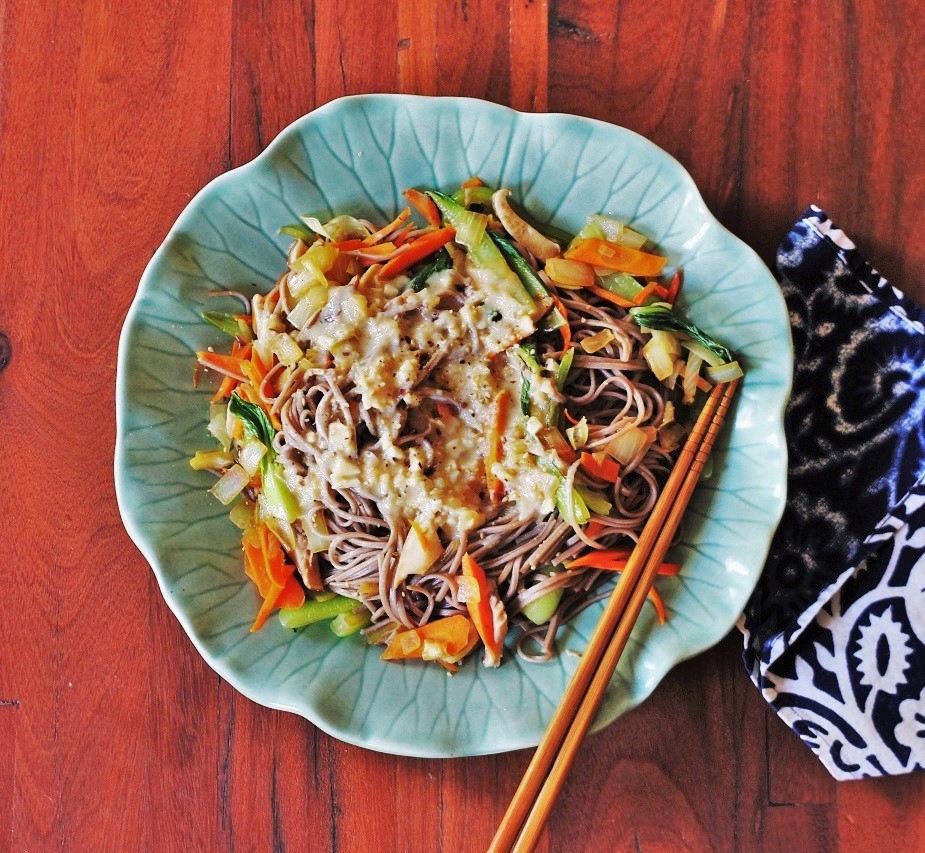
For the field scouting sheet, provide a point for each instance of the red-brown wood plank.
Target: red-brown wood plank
(417, 47)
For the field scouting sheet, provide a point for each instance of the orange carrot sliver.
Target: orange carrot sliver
(613, 256)
(229, 383)
(452, 631)
(374, 238)
(645, 293)
(496, 430)
(229, 365)
(348, 245)
(615, 561)
(566, 330)
(472, 182)
(610, 297)
(417, 250)
(424, 205)
(656, 600)
(674, 287)
(480, 611)
(608, 469)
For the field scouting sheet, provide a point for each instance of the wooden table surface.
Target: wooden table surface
(114, 734)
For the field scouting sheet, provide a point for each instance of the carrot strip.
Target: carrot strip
(568, 417)
(292, 595)
(674, 287)
(417, 250)
(229, 383)
(608, 469)
(451, 631)
(226, 364)
(594, 528)
(401, 236)
(613, 256)
(496, 430)
(645, 293)
(566, 330)
(656, 600)
(480, 607)
(424, 205)
(375, 237)
(472, 182)
(615, 561)
(610, 297)
(348, 245)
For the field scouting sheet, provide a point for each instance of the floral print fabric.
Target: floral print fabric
(835, 630)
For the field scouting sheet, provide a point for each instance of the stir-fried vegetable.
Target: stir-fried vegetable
(613, 256)
(315, 610)
(484, 253)
(662, 318)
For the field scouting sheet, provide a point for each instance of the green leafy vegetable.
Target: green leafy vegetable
(298, 232)
(565, 366)
(226, 323)
(528, 278)
(255, 420)
(527, 352)
(663, 319)
(525, 398)
(442, 262)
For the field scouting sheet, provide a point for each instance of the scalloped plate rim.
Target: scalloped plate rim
(384, 744)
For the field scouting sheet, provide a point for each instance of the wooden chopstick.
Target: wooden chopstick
(545, 775)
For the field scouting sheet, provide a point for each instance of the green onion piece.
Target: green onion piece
(442, 262)
(476, 195)
(725, 372)
(571, 505)
(298, 232)
(525, 398)
(528, 278)
(539, 612)
(345, 624)
(591, 230)
(471, 229)
(316, 611)
(564, 367)
(527, 352)
(594, 501)
(226, 323)
(710, 357)
(661, 317)
(621, 283)
(278, 499)
(552, 321)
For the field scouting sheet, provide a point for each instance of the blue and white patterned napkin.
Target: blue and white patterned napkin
(835, 630)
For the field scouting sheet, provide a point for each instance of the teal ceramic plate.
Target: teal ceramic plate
(358, 154)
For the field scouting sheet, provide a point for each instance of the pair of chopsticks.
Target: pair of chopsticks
(527, 814)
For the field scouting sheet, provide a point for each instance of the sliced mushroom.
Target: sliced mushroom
(525, 234)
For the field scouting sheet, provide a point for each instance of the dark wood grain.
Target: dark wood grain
(113, 732)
